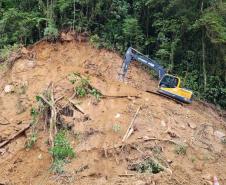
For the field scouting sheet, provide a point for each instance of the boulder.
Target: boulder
(9, 88)
(192, 125)
(218, 134)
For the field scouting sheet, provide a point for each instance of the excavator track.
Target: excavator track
(163, 95)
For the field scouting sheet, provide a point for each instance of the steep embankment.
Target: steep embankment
(183, 139)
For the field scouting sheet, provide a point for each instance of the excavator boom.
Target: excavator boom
(132, 54)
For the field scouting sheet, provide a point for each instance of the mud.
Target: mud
(101, 157)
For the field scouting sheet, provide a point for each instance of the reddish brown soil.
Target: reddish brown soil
(98, 144)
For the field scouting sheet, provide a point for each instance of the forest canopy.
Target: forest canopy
(187, 37)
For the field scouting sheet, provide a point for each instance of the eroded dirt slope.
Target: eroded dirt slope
(98, 140)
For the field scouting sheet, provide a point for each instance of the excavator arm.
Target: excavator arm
(133, 54)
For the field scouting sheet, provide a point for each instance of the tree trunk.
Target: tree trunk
(204, 61)
(74, 16)
(172, 56)
(203, 54)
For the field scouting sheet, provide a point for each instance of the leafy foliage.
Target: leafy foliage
(62, 149)
(61, 152)
(51, 32)
(31, 141)
(148, 166)
(7, 50)
(181, 149)
(82, 86)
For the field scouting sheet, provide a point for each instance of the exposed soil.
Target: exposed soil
(101, 157)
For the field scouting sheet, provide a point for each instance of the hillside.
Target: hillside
(186, 140)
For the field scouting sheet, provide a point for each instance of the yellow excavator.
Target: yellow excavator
(169, 85)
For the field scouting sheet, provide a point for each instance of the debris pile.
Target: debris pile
(66, 118)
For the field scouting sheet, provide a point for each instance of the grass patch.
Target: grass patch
(31, 140)
(148, 166)
(116, 127)
(181, 149)
(34, 135)
(62, 152)
(223, 141)
(157, 149)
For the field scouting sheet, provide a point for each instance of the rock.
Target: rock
(31, 63)
(198, 167)
(183, 126)
(40, 157)
(9, 89)
(2, 151)
(117, 115)
(139, 182)
(24, 51)
(209, 183)
(163, 123)
(207, 177)
(210, 130)
(192, 125)
(172, 134)
(169, 161)
(66, 36)
(218, 134)
(146, 138)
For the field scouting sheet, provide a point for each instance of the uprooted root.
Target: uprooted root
(48, 102)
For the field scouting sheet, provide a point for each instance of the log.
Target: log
(77, 107)
(123, 96)
(166, 140)
(14, 136)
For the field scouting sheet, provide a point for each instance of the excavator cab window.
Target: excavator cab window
(169, 82)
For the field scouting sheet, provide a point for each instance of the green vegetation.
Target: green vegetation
(181, 149)
(223, 141)
(7, 50)
(148, 166)
(187, 37)
(116, 127)
(34, 135)
(61, 152)
(31, 140)
(83, 87)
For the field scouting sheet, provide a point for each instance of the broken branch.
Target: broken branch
(14, 136)
(130, 128)
(76, 106)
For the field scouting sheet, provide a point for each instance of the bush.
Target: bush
(62, 149)
(181, 149)
(149, 166)
(31, 140)
(95, 41)
(51, 32)
(7, 50)
(82, 86)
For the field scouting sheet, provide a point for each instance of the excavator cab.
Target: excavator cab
(169, 81)
(169, 85)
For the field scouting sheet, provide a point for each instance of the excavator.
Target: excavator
(169, 85)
